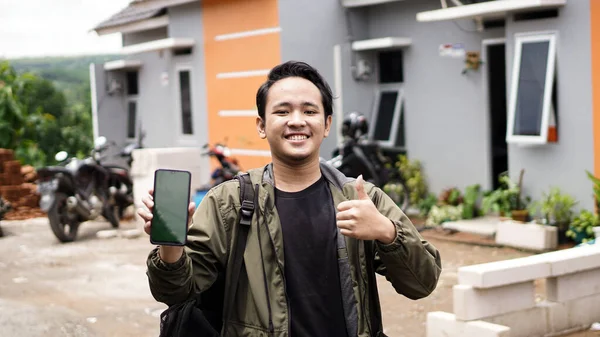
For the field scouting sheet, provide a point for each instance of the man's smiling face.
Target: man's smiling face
(294, 123)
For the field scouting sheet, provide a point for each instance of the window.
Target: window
(185, 101)
(387, 126)
(391, 67)
(132, 83)
(532, 105)
(131, 118)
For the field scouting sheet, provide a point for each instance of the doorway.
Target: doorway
(496, 93)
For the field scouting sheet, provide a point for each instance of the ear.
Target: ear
(328, 125)
(260, 128)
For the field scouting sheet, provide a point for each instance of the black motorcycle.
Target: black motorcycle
(75, 191)
(120, 183)
(358, 155)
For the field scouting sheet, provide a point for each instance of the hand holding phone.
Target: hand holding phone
(170, 211)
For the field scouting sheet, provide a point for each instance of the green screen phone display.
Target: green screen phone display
(170, 211)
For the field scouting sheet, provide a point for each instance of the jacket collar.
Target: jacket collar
(331, 174)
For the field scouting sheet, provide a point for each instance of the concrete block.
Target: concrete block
(531, 322)
(146, 161)
(528, 236)
(572, 286)
(494, 274)
(476, 303)
(443, 324)
(573, 260)
(485, 226)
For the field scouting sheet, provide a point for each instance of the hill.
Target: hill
(70, 74)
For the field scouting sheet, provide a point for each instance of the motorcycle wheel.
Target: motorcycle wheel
(398, 191)
(111, 214)
(63, 227)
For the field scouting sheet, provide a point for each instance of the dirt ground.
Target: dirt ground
(98, 287)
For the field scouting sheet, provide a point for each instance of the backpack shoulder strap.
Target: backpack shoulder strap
(245, 221)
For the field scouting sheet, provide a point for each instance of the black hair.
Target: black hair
(295, 69)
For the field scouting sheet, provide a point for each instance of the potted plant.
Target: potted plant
(519, 210)
(507, 199)
(581, 229)
(555, 209)
(596, 189)
(470, 200)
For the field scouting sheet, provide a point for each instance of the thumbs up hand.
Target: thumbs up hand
(360, 218)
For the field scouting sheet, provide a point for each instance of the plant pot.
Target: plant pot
(562, 236)
(520, 215)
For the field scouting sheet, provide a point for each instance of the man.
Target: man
(317, 237)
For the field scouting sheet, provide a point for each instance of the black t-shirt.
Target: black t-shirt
(311, 268)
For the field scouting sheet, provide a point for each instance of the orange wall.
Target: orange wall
(595, 33)
(241, 54)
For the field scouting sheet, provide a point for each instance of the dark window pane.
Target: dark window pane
(186, 102)
(131, 112)
(385, 115)
(132, 83)
(391, 67)
(400, 140)
(531, 88)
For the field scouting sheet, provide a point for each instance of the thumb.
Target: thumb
(360, 188)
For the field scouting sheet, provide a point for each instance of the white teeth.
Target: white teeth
(297, 137)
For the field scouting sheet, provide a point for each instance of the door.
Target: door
(496, 68)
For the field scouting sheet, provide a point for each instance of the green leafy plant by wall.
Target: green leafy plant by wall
(554, 208)
(470, 201)
(581, 229)
(412, 173)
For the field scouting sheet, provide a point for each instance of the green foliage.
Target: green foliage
(596, 187)
(582, 226)
(412, 173)
(470, 201)
(443, 213)
(451, 196)
(427, 203)
(555, 208)
(36, 120)
(505, 198)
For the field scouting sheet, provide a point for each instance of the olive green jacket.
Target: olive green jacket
(412, 265)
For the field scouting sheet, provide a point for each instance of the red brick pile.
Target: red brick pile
(17, 186)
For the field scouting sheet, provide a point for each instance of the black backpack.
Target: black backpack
(202, 314)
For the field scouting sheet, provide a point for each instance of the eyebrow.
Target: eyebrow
(288, 104)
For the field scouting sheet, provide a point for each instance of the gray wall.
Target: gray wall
(446, 118)
(145, 36)
(112, 110)
(309, 31)
(562, 164)
(186, 21)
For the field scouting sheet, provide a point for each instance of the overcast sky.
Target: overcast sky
(55, 27)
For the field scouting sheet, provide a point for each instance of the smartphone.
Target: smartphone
(170, 215)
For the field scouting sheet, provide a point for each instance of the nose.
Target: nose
(296, 119)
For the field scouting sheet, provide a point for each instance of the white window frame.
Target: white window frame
(391, 87)
(132, 98)
(185, 137)
(547, 109)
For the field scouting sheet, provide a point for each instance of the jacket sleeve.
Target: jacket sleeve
(410, 263)
(204, 255)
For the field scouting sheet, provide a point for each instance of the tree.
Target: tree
(37, 121)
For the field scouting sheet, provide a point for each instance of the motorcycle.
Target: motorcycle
(120, 183)
(229, 166)
(358, 155)
(74, 191)
(228, 170)
(5, 207)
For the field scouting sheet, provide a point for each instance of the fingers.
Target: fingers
(346, 224)
(346, 205)
(192, 208)
(360, 188)
(349, 214)
(147, 200)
